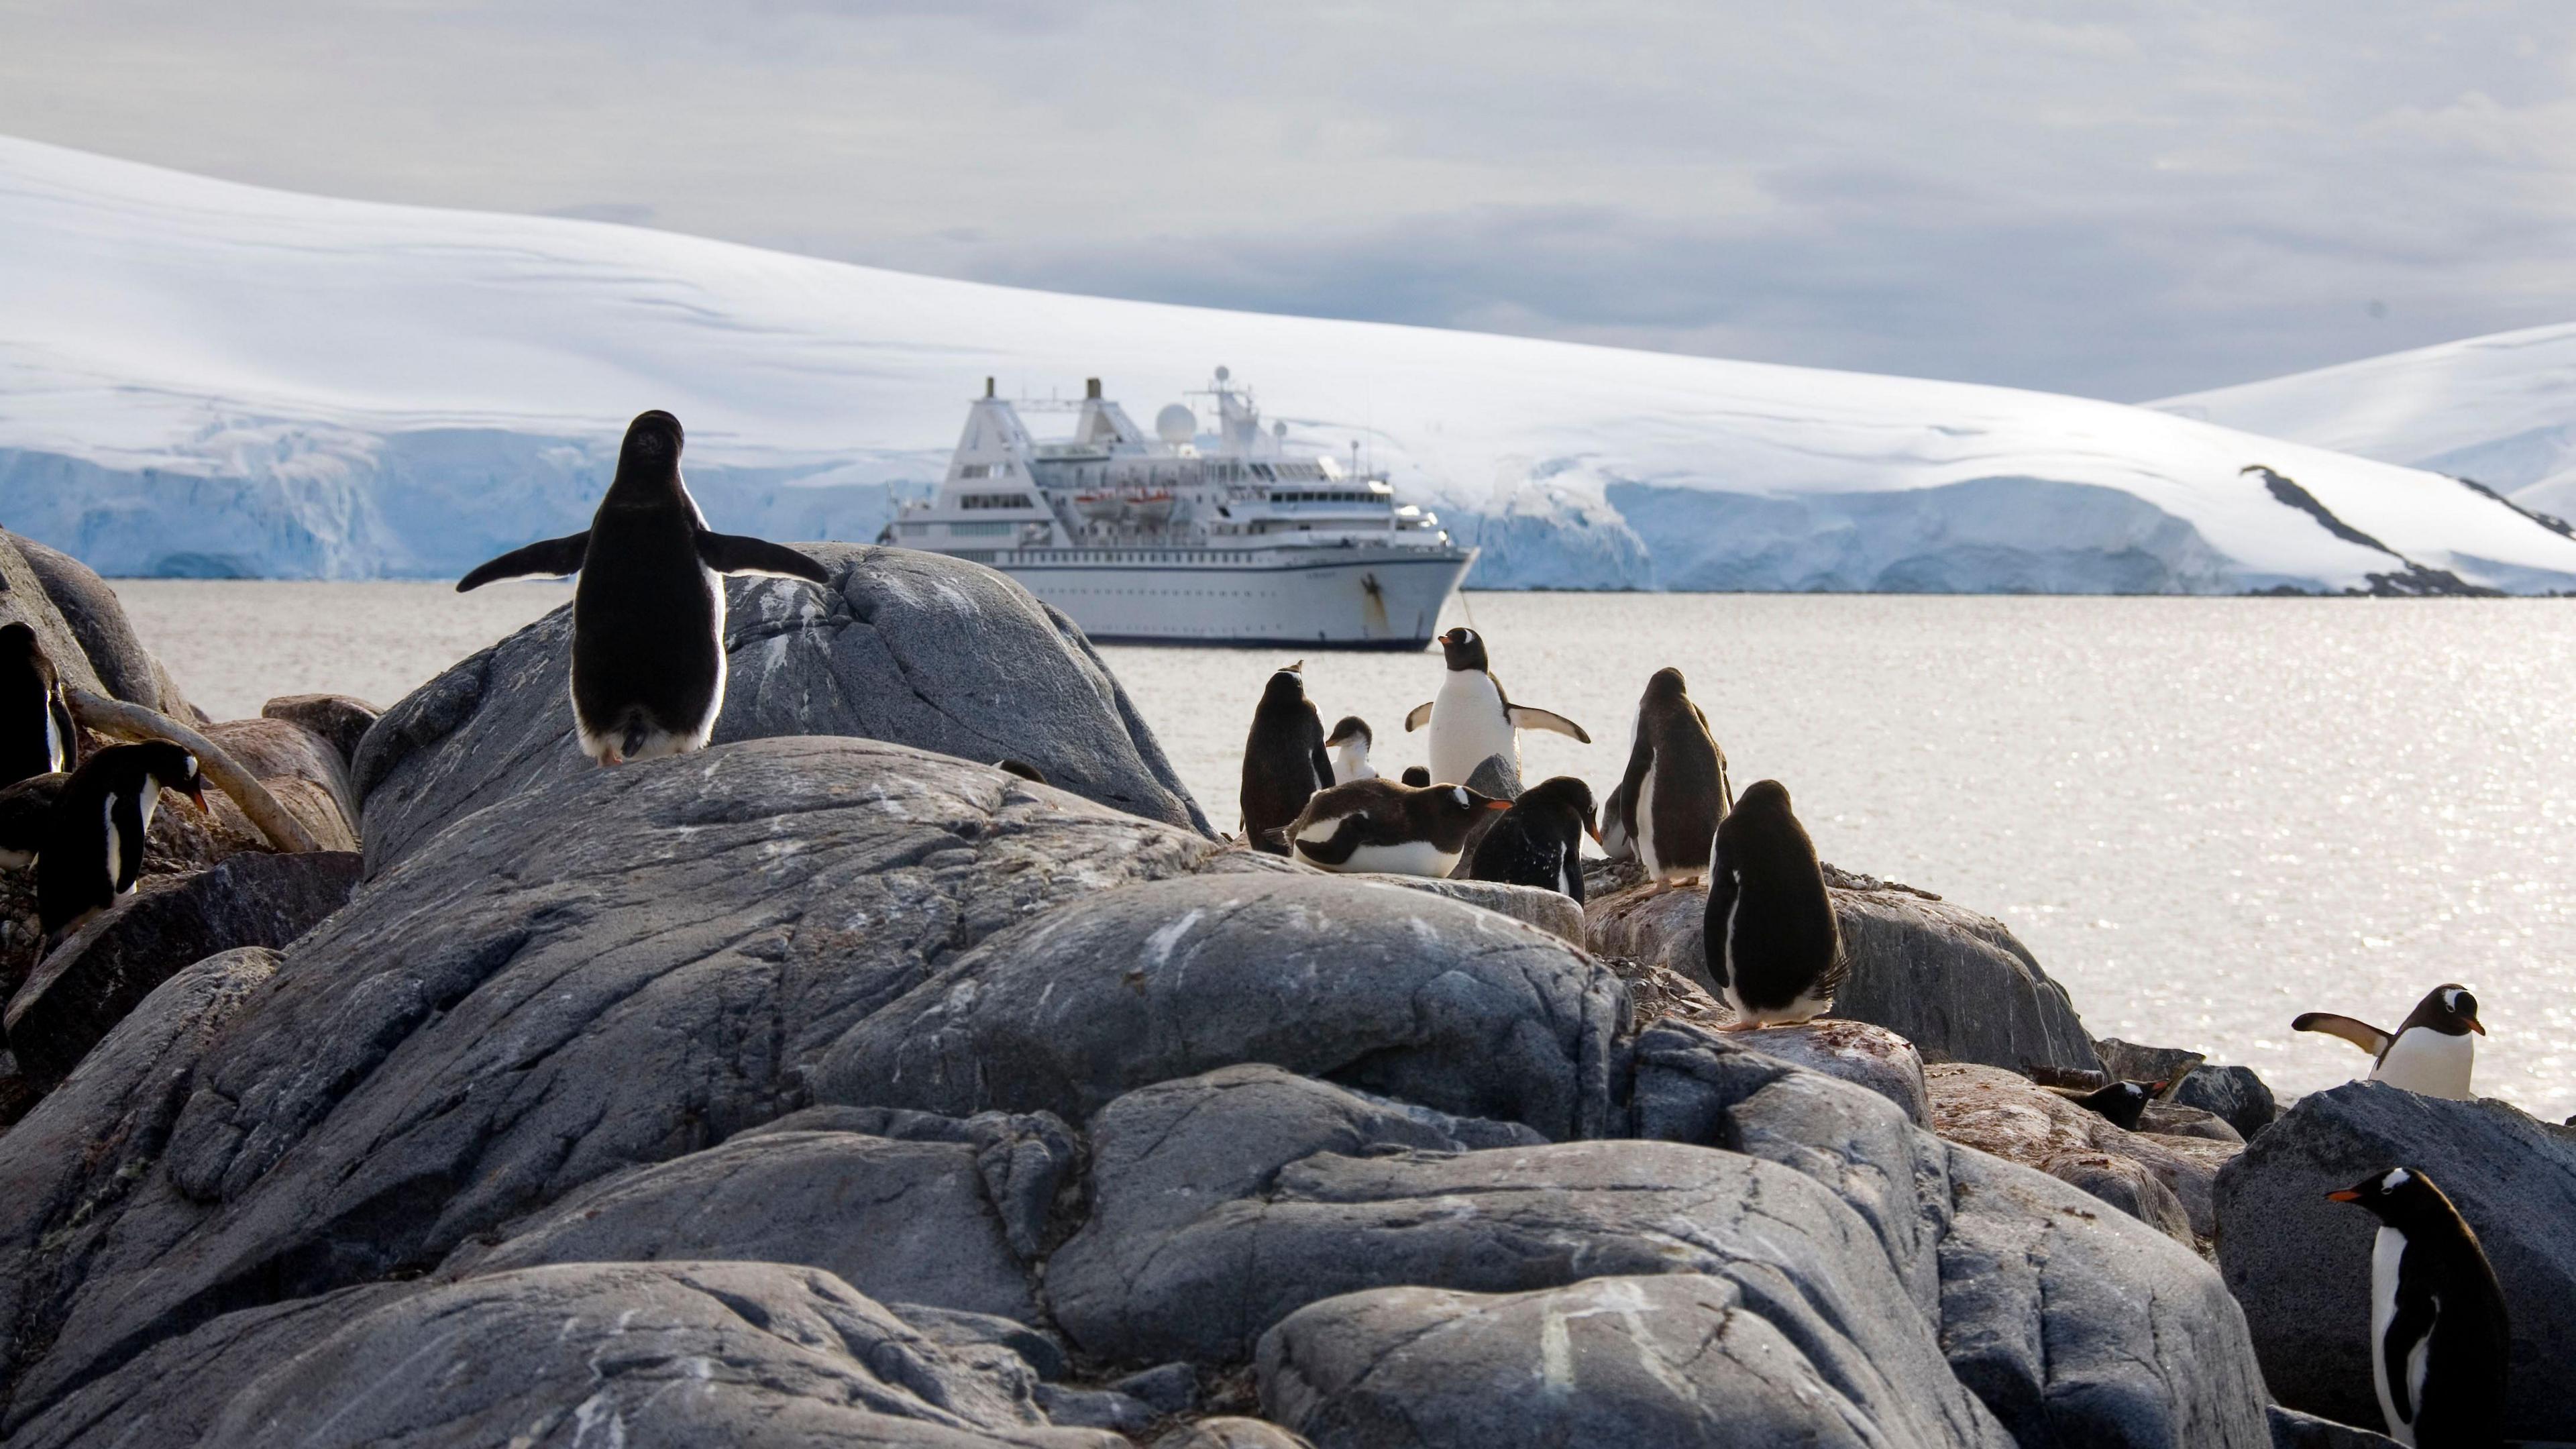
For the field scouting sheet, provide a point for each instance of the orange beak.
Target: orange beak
(1498, 804)
(1595, 832)
(2477, 1026)
(197, 795)
(2346, 1195)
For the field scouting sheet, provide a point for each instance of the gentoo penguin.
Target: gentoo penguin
(1472, 719)
(1538, 842)
(1773, 947)
(1284, 762)
(2122, 1103)
(2431, 1053)
(2439, 1340)
(1667, 808)
(36, 732)
(93, 849)
(1349, 743)
(1417, 775)
(26, 813)
(648, 660)
(1383, 826)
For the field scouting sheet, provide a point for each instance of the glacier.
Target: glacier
(200, 377)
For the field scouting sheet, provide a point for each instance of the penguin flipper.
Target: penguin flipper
(734, 553)
(551, 559)
(1530, 717)
(1420, 716)
(2360, 1033)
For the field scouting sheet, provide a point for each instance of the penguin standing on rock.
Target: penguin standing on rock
(2431, 1053)
(1539, 841)
(1668, 806)
(1379, 825)
(2440, 1343)
(37, 736)
(1349, 743)
(1773, 946)
(93, 850)
(648, 660)
(1471, 719)
(1284, 762)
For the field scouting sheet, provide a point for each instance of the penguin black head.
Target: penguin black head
(651, 452)
(1464, 648)
(1287, 686)
(1352, 727)
(1565, 797)
(2448, 1009)
(169, 764)
(1458, 800)
(18, 642)
(1764, 797)
(1666, 683)
(2122, 1103)
(1417, 776)
(2400, 1197)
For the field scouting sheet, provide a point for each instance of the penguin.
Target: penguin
(26, 810)
(2431, 1053)
(1471, 718)
(2121, 1103)
(1417, 775)
(1284, 761)
(2440, 1344)
(1349, 743)
(1773, 946)
(1537, 842)
(648, 659)
(93, 846)
(1379, 825)
(1668, 806)
(37, 736)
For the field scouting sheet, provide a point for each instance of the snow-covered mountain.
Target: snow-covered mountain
(2499, 409)
(197, 376)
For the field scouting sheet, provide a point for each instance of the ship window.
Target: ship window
(994, 500)
(965, 530)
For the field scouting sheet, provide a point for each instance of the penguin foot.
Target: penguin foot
(1740, 1024)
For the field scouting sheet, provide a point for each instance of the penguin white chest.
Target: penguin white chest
(1412, 857)
(1647, 855)
(1351, 762)
(1468, 725)
(2434, 1063)
(2387, 1254)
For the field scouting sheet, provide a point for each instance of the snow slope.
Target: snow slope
(201, 377)
(2500, 409)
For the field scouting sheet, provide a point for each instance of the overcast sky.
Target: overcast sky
(2125, 200)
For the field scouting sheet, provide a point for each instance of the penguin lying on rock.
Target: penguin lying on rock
(1472, 719)
(1774, 948)
(2431, 1053)
(1379, 825)
(1539, 841)
(2121, 1103)
(648, 660)
(1667, 808)
(36, 732)
(1284, 762)
(93, 845)
(2440, 1345)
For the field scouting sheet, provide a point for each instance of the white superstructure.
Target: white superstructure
(1220, 537)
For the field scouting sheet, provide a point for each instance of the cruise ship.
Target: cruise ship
(1223, 536)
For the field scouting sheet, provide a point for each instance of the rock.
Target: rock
(302, 769)
(1230, 1432)
(898, 1221)
(2081, 1326)
(1958, 985)
(1378, 987)
(1683, 1358)
(910, 648)
(623, 967)
(677, 1354)
(95, 617)
(2127, 1061)
(2165, 1181)
(1027, 1159)
(971, 1332)
(2294, 1430)
(339, 718)
(2233, 1093)
(1854, 1051)
(18, 1096)
(1095, 1409)
(2171, 1119)
(86, 985)
(1555, 913)
(24, 599)
(1171, 1389)
(2301, 1264)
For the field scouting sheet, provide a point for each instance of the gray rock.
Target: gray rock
(1172, 1388)
(1378, 987)
(2080, 1326)
(86, 985)
(2169, 1182)
(2127, 1061)
(1027, 1159)
(24, 599)
(1095, 1409)
(302, 769)
(906, 647)
(1231, 1432)
(1683, 1358)
(1853, 1051)
(96, 617)
(970, 1332)
(2172, 1119)
(1956, 984)
(2301, 1264)
(2233, 1093)
(898, 1221)
(1550, 911)
(339, 718)
(2294, 1430)
(623, 967)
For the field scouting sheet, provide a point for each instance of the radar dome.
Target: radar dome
(1176, 424)
(1223, 372)
(1278, 430)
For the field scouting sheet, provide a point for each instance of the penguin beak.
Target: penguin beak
(2157, 1089)
(1595, 832)
(197, 797)
(2345, 1195)
(1498, 804)
(2476, 1025)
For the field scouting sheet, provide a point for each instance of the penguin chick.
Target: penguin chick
(2440, 1344)
(1379, 825)
(648, 659)
(93, 850)
(2121, 1103)
(26, 811)
(1349, 743)
(1284, 762)
(37, 736)
(1774, 948)
(1538, 842)
(1471, 719)
(1668, 805)
(2432, 1053)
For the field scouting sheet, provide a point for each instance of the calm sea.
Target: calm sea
(2203, 815)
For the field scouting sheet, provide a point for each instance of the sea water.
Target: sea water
(2203, 815)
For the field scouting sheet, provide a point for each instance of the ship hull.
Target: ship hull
(1372, 598)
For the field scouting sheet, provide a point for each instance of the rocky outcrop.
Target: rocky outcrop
(341, 719)
(909, 648)
(2168, 1182)
(96, 620)
(2233, 1094)
(1550, 911)
(301, 768)
(85, 986)
(2301, 1264)
(25, 600)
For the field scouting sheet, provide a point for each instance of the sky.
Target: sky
(2119, 200)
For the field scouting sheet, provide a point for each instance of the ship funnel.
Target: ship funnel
(988, 387)
(1091, 388)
